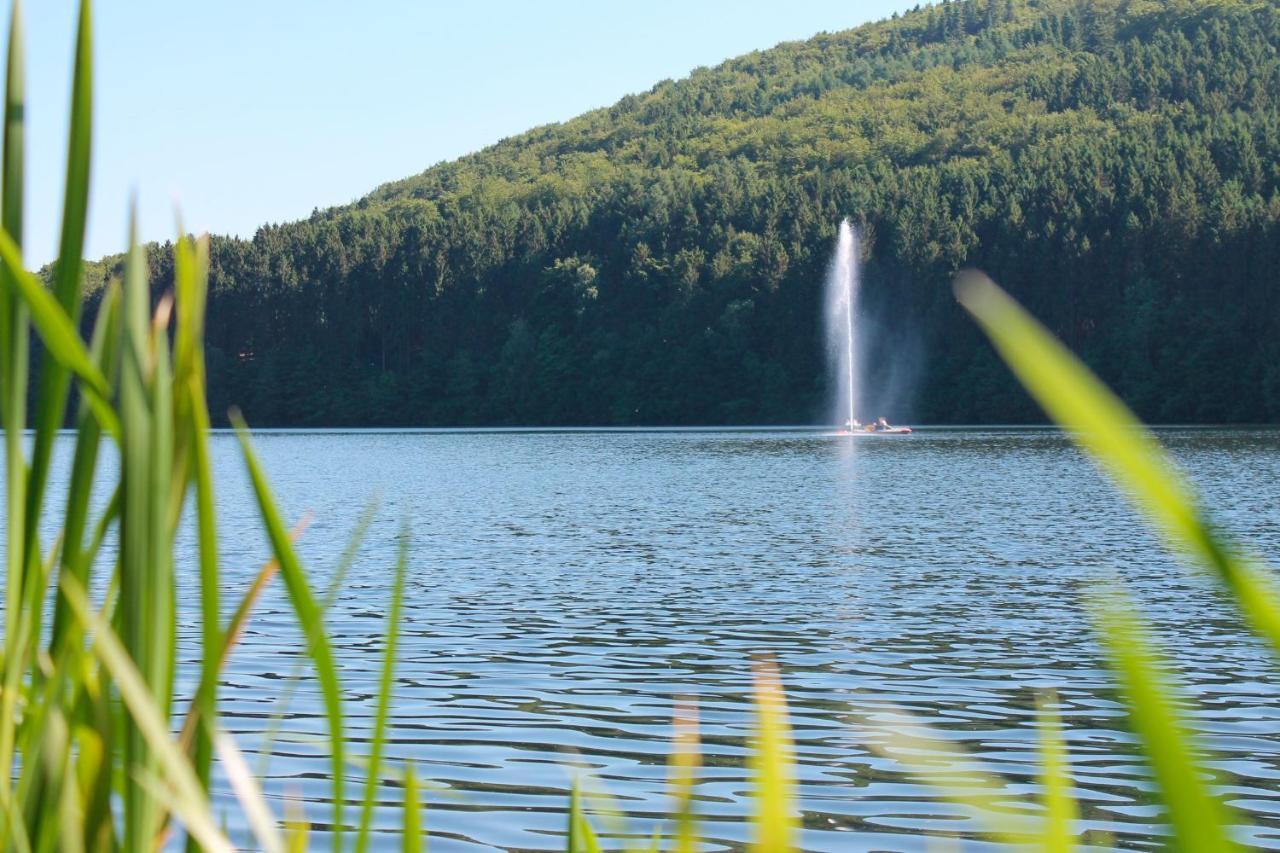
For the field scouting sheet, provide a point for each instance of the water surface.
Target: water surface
(565, 587)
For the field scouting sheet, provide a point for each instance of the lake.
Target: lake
(565, 587)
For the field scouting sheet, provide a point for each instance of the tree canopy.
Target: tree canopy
(1114, 163)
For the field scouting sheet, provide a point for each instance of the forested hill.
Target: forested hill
(1114, 163)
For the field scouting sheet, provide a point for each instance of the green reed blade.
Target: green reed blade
(13, 397)
(1199, 820)
(772, 763)
(294, 678)
(187, 800)
(139, 602)
(54, 751)
(581, 838)
(1104, 426)
(57, 333)
(384, 696)
(1061, 812)
(70, 815)
(51, 405)
(191, 296)
(956, 777)
(75, 561)
(296, 827)
(411, 836)
(684, 764)
(309, 617)
(163, 628)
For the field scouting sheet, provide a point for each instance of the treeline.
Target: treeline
(1115, 163)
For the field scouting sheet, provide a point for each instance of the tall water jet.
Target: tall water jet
(841, 317)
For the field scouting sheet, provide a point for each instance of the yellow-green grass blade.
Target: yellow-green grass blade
(1100, 422)
(13, 396)
(51, 405)
(581, 837)
(309, 617)
(1199, 820)
(772, 765)
(187, 800)
(384, 697)
(1061, 811)
(296, 827)
(956, 777)
(411, 839)
(683, 774)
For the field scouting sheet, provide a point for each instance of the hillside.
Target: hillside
(1114, 163)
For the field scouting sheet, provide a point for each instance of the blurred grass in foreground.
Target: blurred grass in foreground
(87, 704)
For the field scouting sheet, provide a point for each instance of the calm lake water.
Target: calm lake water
(565, 587)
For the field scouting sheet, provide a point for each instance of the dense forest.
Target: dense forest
(1114, 163)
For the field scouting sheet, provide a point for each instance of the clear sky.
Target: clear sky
(251, 111)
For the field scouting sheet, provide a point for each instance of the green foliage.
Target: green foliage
(660, 261)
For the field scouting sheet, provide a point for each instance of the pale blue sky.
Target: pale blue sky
(252, 111)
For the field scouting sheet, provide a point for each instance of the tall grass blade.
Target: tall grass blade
(1199, 821)
(1061, 812)
(957, 778)
(186, 798)
(51, 405)
(412, 829)
(581, 837)
(685, 760)
(144, 589)
(384, 697)
(13, 399)
(248, 794)
(1101, 423)
(76, 559)
(309, 617)
(772, 763)
(59, 336)
(291, 682)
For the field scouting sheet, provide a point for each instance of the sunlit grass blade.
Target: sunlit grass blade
(956, 777)
(1101, 423)
(411, 831)
(187, 800)
(1199, 820)
(1061, 812)
(248, 794)
(309, 617)
(297, 829)
(684, 763)
(772, 764)
(581, 837)
(384, 696)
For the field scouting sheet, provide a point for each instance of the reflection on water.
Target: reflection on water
(565, 588)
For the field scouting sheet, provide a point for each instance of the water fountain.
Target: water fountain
(842, 305)
(842, 347)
